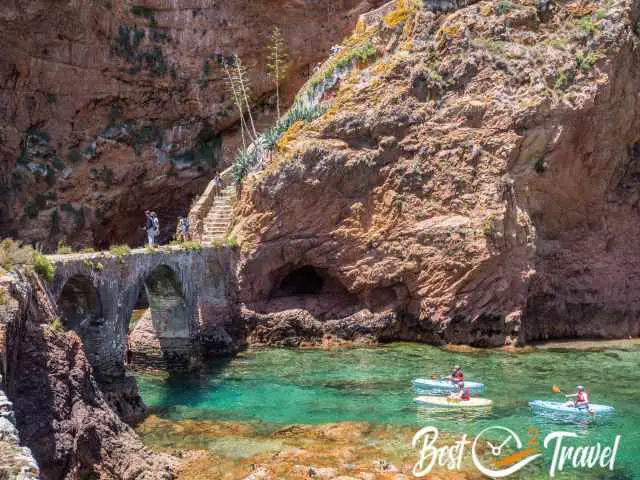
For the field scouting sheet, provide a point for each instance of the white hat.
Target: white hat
(580, 387)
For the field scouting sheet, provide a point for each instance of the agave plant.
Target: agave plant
(241, 165)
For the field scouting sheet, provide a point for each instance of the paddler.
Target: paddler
(462, 393)
(582, 399)
(456, 376)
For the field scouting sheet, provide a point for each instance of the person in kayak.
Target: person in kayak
(456, 376)
(582, 399)
(463, 393)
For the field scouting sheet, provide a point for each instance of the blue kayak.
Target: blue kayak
(540, 406)
(443, 386)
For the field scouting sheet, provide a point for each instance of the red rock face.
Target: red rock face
(109, 108)
(62, 414)
(480, 174)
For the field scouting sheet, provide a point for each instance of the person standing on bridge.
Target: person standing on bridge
(150, 227)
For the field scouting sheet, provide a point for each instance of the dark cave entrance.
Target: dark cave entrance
(307, 280)
(301, 281)
(312, 289)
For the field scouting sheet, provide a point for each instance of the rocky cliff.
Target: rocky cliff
(474, 179)
(108, 107)
(60, 411)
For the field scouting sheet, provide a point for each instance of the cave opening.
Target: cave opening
(305, 280)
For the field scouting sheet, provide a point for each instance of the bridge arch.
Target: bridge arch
(82, 311)
(162, 336)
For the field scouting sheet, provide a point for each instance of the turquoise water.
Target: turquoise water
(282, 386)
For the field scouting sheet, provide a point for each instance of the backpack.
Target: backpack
(156, 223)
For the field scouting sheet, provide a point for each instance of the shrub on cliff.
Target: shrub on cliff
(43, 266)
(13, 253)
(63, 248)
(120, 250)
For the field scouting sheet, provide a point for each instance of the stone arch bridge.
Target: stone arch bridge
(190, 296)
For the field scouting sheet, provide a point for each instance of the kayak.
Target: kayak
(444, 386)
(454, 403)
(540, 406)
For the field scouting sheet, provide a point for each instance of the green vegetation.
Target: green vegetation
(503, 7)
(13, 253)
(33, 207)
(191, 246)
(74, 155)
(33, 138)
(587, 25)
(120, 250)
(362, 53)
(87, 250)
(231, 241)
(299, 112)
(564, 79)
(63, 248)
(56, 325)
(52, 98)
(55, 222)
(488, 224)
(43, 266)
(277, 62)
(77, 213)
(127, 45)
(97, 266)
(540, 166)
(586, 60)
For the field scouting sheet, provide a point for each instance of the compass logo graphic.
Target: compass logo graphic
(506, 465)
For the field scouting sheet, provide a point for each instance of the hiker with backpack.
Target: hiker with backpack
(182, 233)
(152, 227)
(156, 226)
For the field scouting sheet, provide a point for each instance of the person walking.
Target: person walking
(182, 233)
(156, 226)
(150, 228)
(218, 182)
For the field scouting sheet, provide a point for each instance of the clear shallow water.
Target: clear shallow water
(276, 387)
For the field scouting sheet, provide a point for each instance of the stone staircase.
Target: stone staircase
(211, 215)
(217, 221)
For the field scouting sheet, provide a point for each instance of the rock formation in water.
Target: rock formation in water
(60, 412)
(474, 179)
(109, 107)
